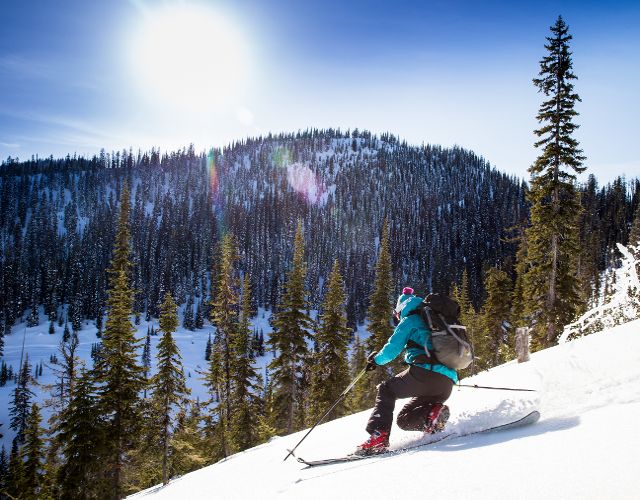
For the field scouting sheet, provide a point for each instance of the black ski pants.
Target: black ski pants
(425, 387)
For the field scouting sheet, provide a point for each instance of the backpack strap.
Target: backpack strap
(428, 358)
(451, 330)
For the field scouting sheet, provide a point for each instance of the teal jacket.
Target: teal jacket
(411, 327)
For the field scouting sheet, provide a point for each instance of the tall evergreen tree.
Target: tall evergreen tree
(21, 402)
(81, 427)
(330, 366)
(65, 369)
(380, 311)
(4, 469)
(15, 482)
(291, 329)
(118, 372)
(244, 380)
(34, 454)
(198, 321)
(551, 288)
(497, 346)
(187, 445)
(169, 390)
(224, 315)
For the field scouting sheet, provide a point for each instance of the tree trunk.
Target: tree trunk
(522, 344)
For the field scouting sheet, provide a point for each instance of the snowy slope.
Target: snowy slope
(585, 445)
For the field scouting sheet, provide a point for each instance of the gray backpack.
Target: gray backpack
(451, 346)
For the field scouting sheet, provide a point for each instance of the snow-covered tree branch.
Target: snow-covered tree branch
(622, 306)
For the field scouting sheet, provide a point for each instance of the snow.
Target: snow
(585, 445)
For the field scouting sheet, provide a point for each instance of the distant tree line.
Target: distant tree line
(448, 212)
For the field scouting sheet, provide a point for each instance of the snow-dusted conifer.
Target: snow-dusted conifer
(380, 311)
(551, 287)
(119, 375)
(330, 367)
(20, 404)
(291, 329)
(244, 380)
(497, 345)
(81, 430)
(34, 452)
(224, 315)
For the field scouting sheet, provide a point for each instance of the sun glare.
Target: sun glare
(189, 56)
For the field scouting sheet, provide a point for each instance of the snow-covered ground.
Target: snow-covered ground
(585, 446)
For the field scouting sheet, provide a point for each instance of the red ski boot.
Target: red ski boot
(437, 418)
(378, 442)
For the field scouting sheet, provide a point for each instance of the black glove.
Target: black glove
(371, 364)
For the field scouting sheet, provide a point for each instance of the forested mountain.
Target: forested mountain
(447, 209)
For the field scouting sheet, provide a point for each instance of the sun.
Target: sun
(189, 56)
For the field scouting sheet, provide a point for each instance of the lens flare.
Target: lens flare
(304, 182)
(281, 157)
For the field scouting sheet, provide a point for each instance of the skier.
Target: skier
(427, 382)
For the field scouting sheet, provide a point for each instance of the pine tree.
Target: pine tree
(498, 347)
(207, 349)
(15, 482)
(244, 380)
(34, 453)
(224, 316)
(187, 444)
(330, 367)
(81, 434)
(380, 311)
(169, 391)
(188, 321)
(551, 287)
(65, 371)
(21, 401)
(4, 469)
(198, 322)
(34, 318)
(118, 373)
(291, 327)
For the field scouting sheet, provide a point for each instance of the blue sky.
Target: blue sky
(443, 72)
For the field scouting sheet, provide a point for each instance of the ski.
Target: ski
(528, 419)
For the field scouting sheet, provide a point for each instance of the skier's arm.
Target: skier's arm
(394, 345)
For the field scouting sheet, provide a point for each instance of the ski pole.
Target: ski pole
(342, 395)
(475, 386)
